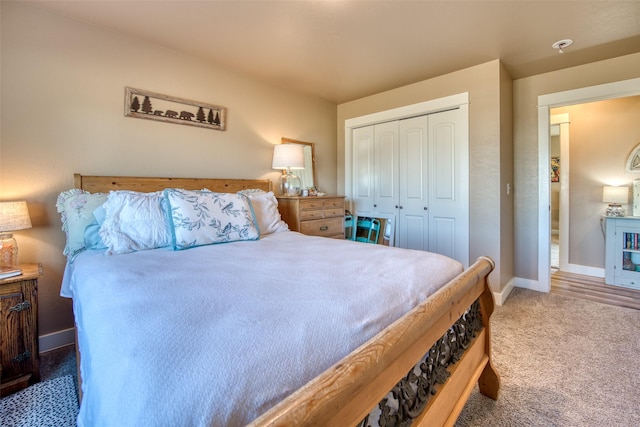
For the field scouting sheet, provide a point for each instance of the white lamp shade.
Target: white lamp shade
(617, 195)
(288, 156)
(14, 216)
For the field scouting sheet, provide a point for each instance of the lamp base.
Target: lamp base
(8, 251)
(615, 210)
(290, 185)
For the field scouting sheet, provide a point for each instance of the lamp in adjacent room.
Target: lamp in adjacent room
(616, 197)
(13, 216)
(287, 157)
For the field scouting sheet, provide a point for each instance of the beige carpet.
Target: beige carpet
(562, 362)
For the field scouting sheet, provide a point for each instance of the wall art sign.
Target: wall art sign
(143, 104)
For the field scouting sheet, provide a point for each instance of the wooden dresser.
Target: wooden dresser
(19, 354)
(314, 215)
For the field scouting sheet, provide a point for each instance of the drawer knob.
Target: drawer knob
(24, 305)
(324, 228)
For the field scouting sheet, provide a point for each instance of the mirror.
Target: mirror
(307, 175)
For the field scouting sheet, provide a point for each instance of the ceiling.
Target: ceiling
(344, 50)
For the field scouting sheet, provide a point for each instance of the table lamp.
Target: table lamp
(13, 216)
(287, 157)
(615, 196)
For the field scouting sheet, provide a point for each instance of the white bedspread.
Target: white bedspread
(216, 335)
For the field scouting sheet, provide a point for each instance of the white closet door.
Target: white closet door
(413, 213)
(386, 168)
(449, 184)
(363, 174)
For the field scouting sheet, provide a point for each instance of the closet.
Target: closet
(414, 173)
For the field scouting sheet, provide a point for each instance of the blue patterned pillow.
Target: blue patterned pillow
(202, 218)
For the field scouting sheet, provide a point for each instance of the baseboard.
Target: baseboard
(57, 339)
(501, 297)
(534, 285)
(584, 270)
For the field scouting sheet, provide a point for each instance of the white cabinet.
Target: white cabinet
(415, 173)
(622, 252)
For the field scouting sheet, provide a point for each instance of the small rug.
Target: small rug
(50, 403)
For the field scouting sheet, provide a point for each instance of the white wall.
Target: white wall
(63, 112)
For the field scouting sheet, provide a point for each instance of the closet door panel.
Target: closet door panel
(363, 174)
(444, 240)
(414, 183)
(449, 186)
(444, 159)
(386, 167)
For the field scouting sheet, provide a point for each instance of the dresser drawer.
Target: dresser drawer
(321, 213)
(323, 227)
(312, 204)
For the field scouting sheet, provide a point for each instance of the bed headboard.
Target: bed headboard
(104, 184)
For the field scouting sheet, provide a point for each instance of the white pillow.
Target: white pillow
(134, 222)
(202, 218)
(265, 207)
(76, 212)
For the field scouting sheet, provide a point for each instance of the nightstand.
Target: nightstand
(314, 215)
(19, 354)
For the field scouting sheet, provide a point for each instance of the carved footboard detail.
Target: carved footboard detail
(409, 397)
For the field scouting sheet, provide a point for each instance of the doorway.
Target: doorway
(559, 188)
(545, 104)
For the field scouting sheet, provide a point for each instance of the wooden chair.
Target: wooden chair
(367, 230)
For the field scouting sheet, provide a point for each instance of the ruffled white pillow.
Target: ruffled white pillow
(134, 222)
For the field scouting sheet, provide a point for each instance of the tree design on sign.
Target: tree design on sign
(173, 110)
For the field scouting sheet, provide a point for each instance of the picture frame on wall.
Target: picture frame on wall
(143, 104)
(555, 169)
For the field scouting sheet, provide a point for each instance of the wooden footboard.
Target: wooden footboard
(344, 394)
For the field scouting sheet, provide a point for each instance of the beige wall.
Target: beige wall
(525, 118)
(602, 135)
(489, 88)
(62, 112)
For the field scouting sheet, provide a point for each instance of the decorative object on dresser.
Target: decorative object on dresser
(170, 109)
(13, 216)
(616, 197)
(19, 354)
(287, 157)
(314, 216)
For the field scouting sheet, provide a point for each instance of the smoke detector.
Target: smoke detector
(561, 44)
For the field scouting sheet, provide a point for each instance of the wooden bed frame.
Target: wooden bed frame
(345, 393)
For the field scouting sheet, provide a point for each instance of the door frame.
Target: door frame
(601, 92)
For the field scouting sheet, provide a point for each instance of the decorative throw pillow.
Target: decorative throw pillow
(265, 207)
(134, 222)
(202, 218)
(76, 212)
(92, 239)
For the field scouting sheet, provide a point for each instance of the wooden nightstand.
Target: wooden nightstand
(19, 354)
(314, 215)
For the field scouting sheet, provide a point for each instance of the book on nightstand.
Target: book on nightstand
(6, 272)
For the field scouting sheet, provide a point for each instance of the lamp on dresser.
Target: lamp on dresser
(13, 216)
(287, 157)
(616, 197)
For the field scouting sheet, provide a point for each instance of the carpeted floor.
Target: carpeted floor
(562, 362)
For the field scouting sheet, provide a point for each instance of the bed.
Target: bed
(277, 329)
